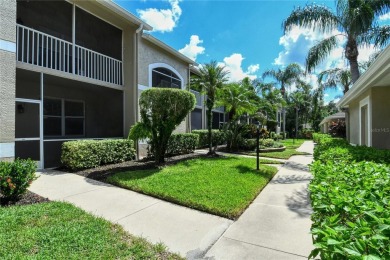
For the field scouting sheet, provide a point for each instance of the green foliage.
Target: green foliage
(138, 132)
(182, 143)
(224, 186)
(350, 195)
(248, 144)
(218, 137)
(58, 230)
(77, 155)
(162, 110)
(15, 178)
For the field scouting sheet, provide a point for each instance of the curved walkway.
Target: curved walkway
(275, 226)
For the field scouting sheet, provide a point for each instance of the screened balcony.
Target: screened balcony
(87, 47)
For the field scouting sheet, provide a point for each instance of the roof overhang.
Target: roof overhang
(377, 75)
(124, 13)
(339, 115)
(169, 49)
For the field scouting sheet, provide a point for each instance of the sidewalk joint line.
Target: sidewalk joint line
(137, 211)
(270, 248)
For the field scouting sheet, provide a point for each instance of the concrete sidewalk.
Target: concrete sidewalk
(185, 231)
(277, 224)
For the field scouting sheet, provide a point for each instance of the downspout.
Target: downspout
(136, 39)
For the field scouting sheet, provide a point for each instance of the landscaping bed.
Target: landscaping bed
(223, 186)
(350, 195)
(26, 199)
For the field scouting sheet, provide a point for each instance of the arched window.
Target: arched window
(165, 78)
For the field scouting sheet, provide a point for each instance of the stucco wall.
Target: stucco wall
(150, 54)
(381, 117)
(353, 119)
(7, 78)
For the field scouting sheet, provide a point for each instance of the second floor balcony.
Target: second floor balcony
(41, 49)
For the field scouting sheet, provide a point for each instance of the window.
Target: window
(63, 117)
(165, 78)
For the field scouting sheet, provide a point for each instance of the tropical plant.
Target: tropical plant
(238, 98)
(356, 20)
(331, 78)
(211, 78)
(162, 110)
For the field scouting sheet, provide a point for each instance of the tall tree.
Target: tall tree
(211, 78)
(355, 19)
(285, 78)
(333, 77)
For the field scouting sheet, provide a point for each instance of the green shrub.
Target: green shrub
(182, 143)
(218, 137)
(83, 154)
(267, 142)
(248, 144)
(15, 178)
(351, 218)
(162, 110)
(350, 195)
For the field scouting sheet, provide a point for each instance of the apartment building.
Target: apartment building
(74, 70)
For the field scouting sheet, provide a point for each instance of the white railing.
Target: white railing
(41, 49)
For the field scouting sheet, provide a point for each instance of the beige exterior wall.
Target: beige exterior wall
(381, 117)
(353, 118)
(7, 79)
(151, 54)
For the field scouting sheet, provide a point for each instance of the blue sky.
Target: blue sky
(245, 36)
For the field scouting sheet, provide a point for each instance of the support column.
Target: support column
(7, 79)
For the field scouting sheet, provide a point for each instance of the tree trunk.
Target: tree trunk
(210, 125)
(352, 53)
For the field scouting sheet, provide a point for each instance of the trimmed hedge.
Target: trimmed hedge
(84, 154)
(350, 195)
(182, 143)
(15, 178)
(218, 137)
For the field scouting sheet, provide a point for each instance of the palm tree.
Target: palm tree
(333, 77)
(356, 21)
(285, 78)
(238, 98)
(211, 78)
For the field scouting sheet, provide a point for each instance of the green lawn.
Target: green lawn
(291, 146)
(57, 230)
(222, 186)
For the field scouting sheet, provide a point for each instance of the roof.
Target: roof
(168, 48)
(338, 115)
(124, 13)
(377, 75)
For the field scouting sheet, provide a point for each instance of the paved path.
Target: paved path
(185, 231)
(277, 224)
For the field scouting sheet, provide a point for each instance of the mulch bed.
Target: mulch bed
(102, 172)
(26, 199)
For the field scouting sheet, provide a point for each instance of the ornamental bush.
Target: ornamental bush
(84, 154)
(182, 143)
(162, 110)
(350, 195)
(218, 137)
(15, 178)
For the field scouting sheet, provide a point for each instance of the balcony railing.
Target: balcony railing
(41, 49)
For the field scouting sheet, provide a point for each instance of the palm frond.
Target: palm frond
(379, 36)
(312, 16)
(320, 51)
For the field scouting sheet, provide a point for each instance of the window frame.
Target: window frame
(154, 66)
(64, 117)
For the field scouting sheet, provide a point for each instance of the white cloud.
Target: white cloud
(233, 64)
(162, 20)
(326, 95)
(384, 17)
(193, 49)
